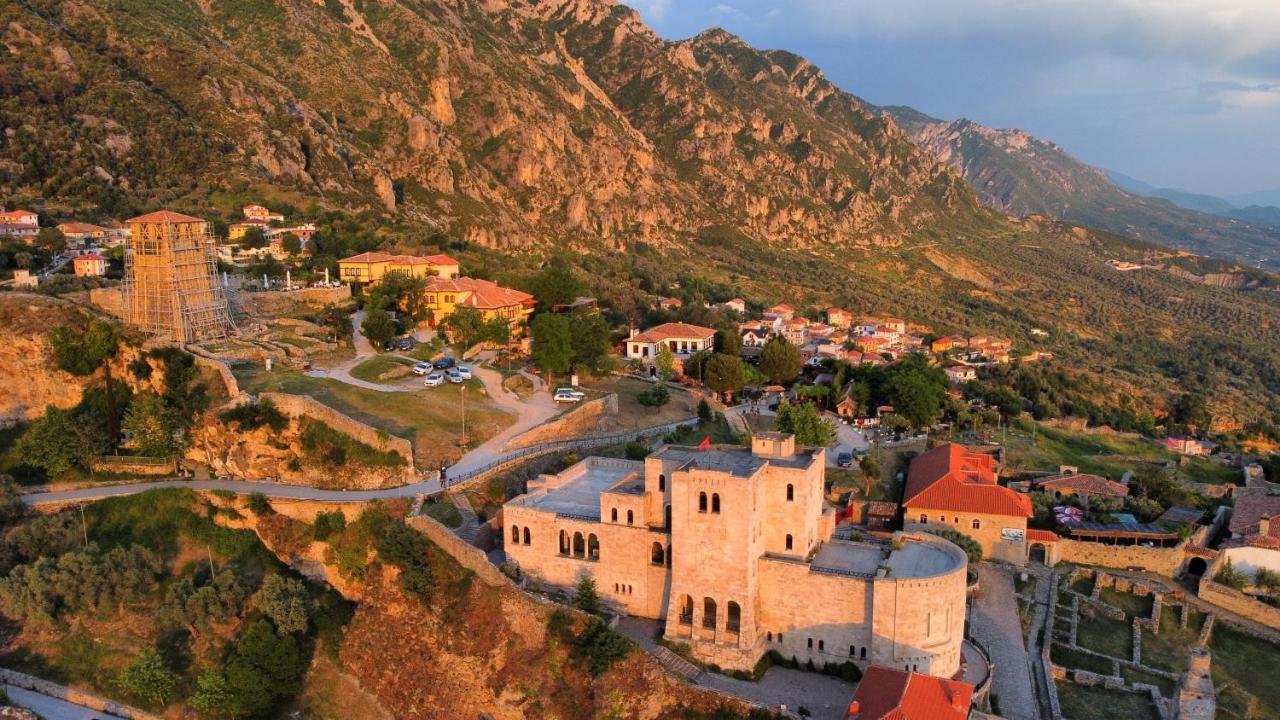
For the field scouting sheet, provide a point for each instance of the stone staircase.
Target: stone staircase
(677, 665)
(469, 530)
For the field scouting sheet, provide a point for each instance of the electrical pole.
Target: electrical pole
(84, 527)
(462, 391)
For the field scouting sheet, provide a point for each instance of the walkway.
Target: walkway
(51, 708)
(995, 624)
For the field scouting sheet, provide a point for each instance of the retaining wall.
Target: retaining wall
(584, 419)
(108, 300)
(1162, 561)
(1238, 603)
(470, 557)
(72, 695)
(303, 405)
(220, 367)
(273, 303)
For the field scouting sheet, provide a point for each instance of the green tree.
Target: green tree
(552, 344)
(600, 645)
(213, 696)
(665, 363)
(729, 342)
(780, 361)
(589, 336)
(916, 390)
(50, 442)
(286, 602)
(154, 427)
(466, 327)
(704, 411)
(556, 284)
(291, 243)
(1231, 577)
(804, 421)
(586, 597)
(82, 351)
(264, 670)
(329, 524)
(403, 293)
(378, 326)
(725, 374)
(147, 679)
(51, 239)
(253, 239)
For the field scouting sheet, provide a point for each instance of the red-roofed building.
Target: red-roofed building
(1083, 484)
(92, 265)
(19, 217)
(889, 694)
(682, 339)
(369, 267)
(952, 486)
(838, 318)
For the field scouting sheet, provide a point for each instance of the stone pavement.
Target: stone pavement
(994, 622)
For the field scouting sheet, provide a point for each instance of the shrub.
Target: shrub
(259, 504)
(1231, 577)
(964, 542)
(1268, 580)
(637, 450)
(704, 411)
(147, 679)
(251, 416)
(320, 440)
(408, 550)
(601, 646)
(81, 352)
(586, 598)
(655, 396)
(328, 524)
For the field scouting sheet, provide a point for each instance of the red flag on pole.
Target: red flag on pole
(706, 443)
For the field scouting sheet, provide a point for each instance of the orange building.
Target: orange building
(92, 265)
(370, 267)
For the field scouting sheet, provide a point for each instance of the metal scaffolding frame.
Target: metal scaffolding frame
(171, 281)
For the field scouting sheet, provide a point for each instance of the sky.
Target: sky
(1177, 93)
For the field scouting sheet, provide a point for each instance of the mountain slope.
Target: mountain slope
(1014, 171)
(505, 123)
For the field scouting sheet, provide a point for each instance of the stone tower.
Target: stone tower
(1197, 699)
(171, 279)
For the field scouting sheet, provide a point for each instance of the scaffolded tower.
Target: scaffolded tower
(171, 278)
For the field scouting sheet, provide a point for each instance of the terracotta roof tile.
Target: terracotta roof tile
(950, 477)
(1252, 508)
(1034, 535)
(163, 216)
(1083, 483)
(666, 331)
(887, 694)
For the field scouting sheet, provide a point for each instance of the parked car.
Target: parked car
(445, 363)
(404, 343)
(388, 346)
(464, 371)
(568, 395)
(455, 376)
(435, 379)
(844, 460)
(421, 368)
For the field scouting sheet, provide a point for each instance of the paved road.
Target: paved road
(53, 708)
(995, 624)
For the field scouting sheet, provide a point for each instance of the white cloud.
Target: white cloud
(650, 10)
(1206, 31)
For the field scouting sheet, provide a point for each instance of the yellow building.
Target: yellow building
(445, 295)
(370, 267)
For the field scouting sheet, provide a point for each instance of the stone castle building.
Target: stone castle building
(732, 548)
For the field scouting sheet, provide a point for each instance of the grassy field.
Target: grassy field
(371, 369)
(1167, 687)
(1066, 657)
(634, 416)
(1168, 650)
(1132, 605)
(431, 418)
(1248, 667)
(444, 512)
(1104, 635)
(1094, 703)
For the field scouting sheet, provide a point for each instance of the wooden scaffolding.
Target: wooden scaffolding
(171, 279)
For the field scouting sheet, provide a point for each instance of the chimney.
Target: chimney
(633, 332)
(854, 710)
(958, 700)
(1264, 525)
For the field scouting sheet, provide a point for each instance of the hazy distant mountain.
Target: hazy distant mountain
(1262, 197)
(1257, 214)
(1181, 198)
(1021, 174)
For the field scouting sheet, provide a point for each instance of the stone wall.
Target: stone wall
(107, 300)
(471, 558)
(1239, 603)
(305, 406)
(1163, 561)
(220, 367)
(589, 417)
(72, 695)
(271, 304)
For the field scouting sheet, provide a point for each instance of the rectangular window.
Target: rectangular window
(977, 524)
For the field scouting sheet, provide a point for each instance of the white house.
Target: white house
(682, 338)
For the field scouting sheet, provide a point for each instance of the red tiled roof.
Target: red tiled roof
(380, 257)
(481, 294)
(79, 227)
(1265, 542)
(887, 694)
(950, 477)
(1200, 551)
(90, 256)
(163, 216)
(667, 331)
(1034, 535)
(1083, 483)
(441, 260)
(1252, 508)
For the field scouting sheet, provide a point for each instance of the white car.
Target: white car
(434, 379)
(569, 395)
(464, 371)
(455, 376)
(421, 368)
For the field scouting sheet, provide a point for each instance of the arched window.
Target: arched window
(733, 619)
(821, 646)
(515, 535)
(666, 518)
(715, 503)
(791, 492)
(852, 651)
(613, 515)
(862, 654)
(769, 636)
(668, 556)
(564, 542)
(593, 547)
(702, 502)
(709, 613)
(656, 554)
(810, 643)
(579, 545)
(686, 610)
(976, 524)
(526, 536)
(630, 517)
(662, 483)
(788, 542)
(924, 519)
(616, 588)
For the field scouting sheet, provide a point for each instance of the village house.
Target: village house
(20, 217)
(838, 318)
(737, 305)
(941, 345)
(892, 694)
(24, 279)
(682, 339)
(444, 296)
(781, 311)
(670, 303)
(732, 549)
(796, 331)
(368, 268)
(1080, 484)
(952, 486)
(25, 232)
(755, 337)
(261, 214)
(1255, 534)
(91, 265)
(1185, 445)
(961, 374)
(83, 234)
(897, 325)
